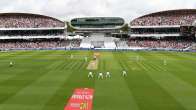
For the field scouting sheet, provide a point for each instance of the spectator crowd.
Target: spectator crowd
(170, 44)
(28, 22)
(165, 20)
(55, 43)
(62, 43)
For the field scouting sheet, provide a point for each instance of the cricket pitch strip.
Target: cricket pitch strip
(93, 64)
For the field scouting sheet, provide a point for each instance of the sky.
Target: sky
(68, 9)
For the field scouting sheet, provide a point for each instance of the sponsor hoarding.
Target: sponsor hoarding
(82, 99)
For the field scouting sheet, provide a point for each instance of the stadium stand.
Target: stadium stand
(24, 20)
(24, 26)
(171, 17)
(98, 41)
(122, 44)
(172, 29)
(39, 44)
(193, 47)
(170, 44)
(24, 30)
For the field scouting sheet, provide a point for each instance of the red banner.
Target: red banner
(82, 99)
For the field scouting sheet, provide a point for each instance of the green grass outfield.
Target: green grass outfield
(44, 80)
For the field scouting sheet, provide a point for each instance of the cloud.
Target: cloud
(67, 9)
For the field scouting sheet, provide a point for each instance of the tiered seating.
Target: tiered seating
(170, 44)
(122, 44)
(39, 43)
(98, 41)
(28, 21)
(173, 17)
(109, 43)
(86, 43)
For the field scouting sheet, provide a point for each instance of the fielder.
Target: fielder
(71, 56)
(124, 73)
(100, 76)
(165, 62)
(108, 75)
(11, 64)
(138, 58)
(86, 59)
(90, 75)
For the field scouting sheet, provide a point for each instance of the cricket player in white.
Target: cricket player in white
(108, 75)
(71, 56)
(86, 59)
(100, 76)
(90, 75)
(138, 58)
(165, 62)
(11, 64)
(124, 73)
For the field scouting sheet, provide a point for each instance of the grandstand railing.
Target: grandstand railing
(161, 26)
(53, 28)
(154, 35)
(29, 37)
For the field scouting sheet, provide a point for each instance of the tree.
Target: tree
(69, 28)
(125, 28)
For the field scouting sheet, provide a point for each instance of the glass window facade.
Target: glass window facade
(97, 22)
